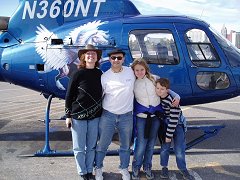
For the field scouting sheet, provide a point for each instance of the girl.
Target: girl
(146, 106)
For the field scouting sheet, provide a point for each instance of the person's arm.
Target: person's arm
(173, 121)
(176, 98)
(69, 98)
(103, 85)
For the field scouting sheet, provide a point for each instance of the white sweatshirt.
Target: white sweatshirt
(118, 90)
(145, 94)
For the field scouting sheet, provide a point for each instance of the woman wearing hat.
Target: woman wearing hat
(83, 106)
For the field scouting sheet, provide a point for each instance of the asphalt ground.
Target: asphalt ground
(22, 112)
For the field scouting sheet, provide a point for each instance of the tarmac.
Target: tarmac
(22, 134)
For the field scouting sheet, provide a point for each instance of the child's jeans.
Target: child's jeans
(143, 151)
(179, 149)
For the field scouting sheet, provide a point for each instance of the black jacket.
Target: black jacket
(83, 99)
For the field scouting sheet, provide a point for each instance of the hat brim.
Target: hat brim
(83, 51)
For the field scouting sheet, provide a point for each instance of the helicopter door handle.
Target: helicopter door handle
(193, 66)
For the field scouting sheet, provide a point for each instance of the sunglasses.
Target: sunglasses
(116, 57)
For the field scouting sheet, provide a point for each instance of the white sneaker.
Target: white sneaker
(98, 174)
(125, 174)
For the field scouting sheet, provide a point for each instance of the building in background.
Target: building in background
(233, 36)
(224, 31)
(236, 39)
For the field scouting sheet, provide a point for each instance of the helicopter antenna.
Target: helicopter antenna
(202, 13)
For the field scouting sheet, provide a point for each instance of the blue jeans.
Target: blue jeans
(143, 151)
(179, 149)
(84, 137)
(108, 123)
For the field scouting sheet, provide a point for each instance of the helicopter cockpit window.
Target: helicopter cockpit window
(231, 51)
(155, 46)
(200, 49)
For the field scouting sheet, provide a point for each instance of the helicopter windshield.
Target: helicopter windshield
(231, 52)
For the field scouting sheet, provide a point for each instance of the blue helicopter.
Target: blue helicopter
(39, 44)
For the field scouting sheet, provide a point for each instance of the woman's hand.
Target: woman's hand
(68, 122)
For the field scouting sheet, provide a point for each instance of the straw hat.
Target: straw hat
(90, 47)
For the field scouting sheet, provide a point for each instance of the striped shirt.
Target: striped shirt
(172, 114)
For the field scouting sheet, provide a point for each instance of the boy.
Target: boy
(175, 129)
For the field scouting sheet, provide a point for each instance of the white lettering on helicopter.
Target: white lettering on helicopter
(54, 9)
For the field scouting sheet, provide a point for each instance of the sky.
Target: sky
(215, 12)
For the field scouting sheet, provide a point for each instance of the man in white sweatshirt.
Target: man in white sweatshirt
(118, 84)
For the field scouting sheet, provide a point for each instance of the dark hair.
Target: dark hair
(164, 82)
(116, 51)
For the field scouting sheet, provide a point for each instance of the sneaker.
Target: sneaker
(90, 176)
(83, 177)
(164, 173)
(186, 175)
(98, 174)
(148, 173)
(135, 174)
(125, 174)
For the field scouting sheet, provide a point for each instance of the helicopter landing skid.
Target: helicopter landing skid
(47, 151)
(209, 130)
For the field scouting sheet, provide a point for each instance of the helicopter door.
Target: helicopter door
(159, 45)
(208, 70)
